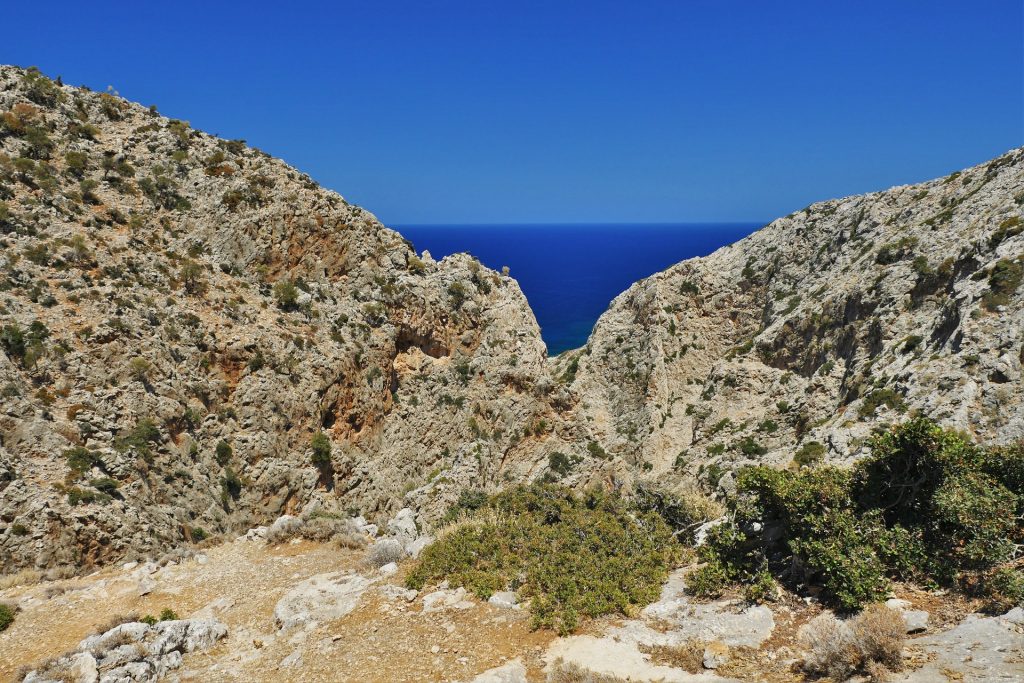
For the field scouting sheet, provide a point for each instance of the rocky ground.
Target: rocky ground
(303, 610)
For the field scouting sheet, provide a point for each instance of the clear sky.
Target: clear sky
(565, 111)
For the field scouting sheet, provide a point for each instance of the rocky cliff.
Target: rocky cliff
(181, 315)
(798, 341)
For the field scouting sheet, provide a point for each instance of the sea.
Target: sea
(570, 273)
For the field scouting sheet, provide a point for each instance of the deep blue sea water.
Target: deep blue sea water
(570, 273)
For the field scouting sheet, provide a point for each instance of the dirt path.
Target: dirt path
(383, 639)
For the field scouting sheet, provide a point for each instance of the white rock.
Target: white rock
(320, 598)
(917, 620)
(509, 672)
(403, 526)
(388, 569)
(446, 599)
(715, 655)
(416, 546)
(505, 599)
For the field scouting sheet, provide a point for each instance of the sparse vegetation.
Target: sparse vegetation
(7, 613)
(1003, 281)
(573, 556)
(881, 397)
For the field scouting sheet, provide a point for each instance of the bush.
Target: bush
(871, 640)
(682, 510)
(572, 556)
(223, 452)
(384, 552)
(1004, 589)
(230, 483)
(1003, 281)
(927, 504)
(457, 291)
(286, 294)
(80, 460)
(7, 613)
(139, 437)
(321, 447)
(191, 276)
(469, 501)
(809, 454)
(880, 397)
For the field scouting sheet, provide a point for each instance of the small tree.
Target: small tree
(286, 294)
(321, 447)
(140, 368)
(192, 278)
(223, 452)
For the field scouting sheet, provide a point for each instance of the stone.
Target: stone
(504, 599)
(612, 657)
(403, 526)
(716, 653)
(509, 672)
(446, 599)
(917, 620)
(322, 597)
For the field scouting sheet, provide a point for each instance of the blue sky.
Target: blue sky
(485, 111)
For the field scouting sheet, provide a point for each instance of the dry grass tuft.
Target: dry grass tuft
(24, 577)
(568, 672)
(870, 643)
(384, 552)
(688, 656)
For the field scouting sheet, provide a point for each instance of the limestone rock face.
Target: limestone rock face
(226, 308)
(816, 329)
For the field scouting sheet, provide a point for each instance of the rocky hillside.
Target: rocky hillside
(182, 314)
(798, 341)
(197, 339)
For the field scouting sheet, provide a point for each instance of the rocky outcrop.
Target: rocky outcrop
(803, 338)
(181, 314)
(133, 651)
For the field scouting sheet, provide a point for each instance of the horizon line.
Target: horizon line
(574, 223)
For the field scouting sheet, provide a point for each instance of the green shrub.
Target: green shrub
(6, 615)
(809, 454)
(749, 447)
(223, 452)
(321, 447)
(572, 556)
(1004, 589)
(561, 464)
(457, 291)
(139, 437)
(709, 581)
(167, 614)
(286, 295)
(926, 505)
(468, 501)
(231, 483)
(1003, 281)
(80, 460)
(879, 397)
